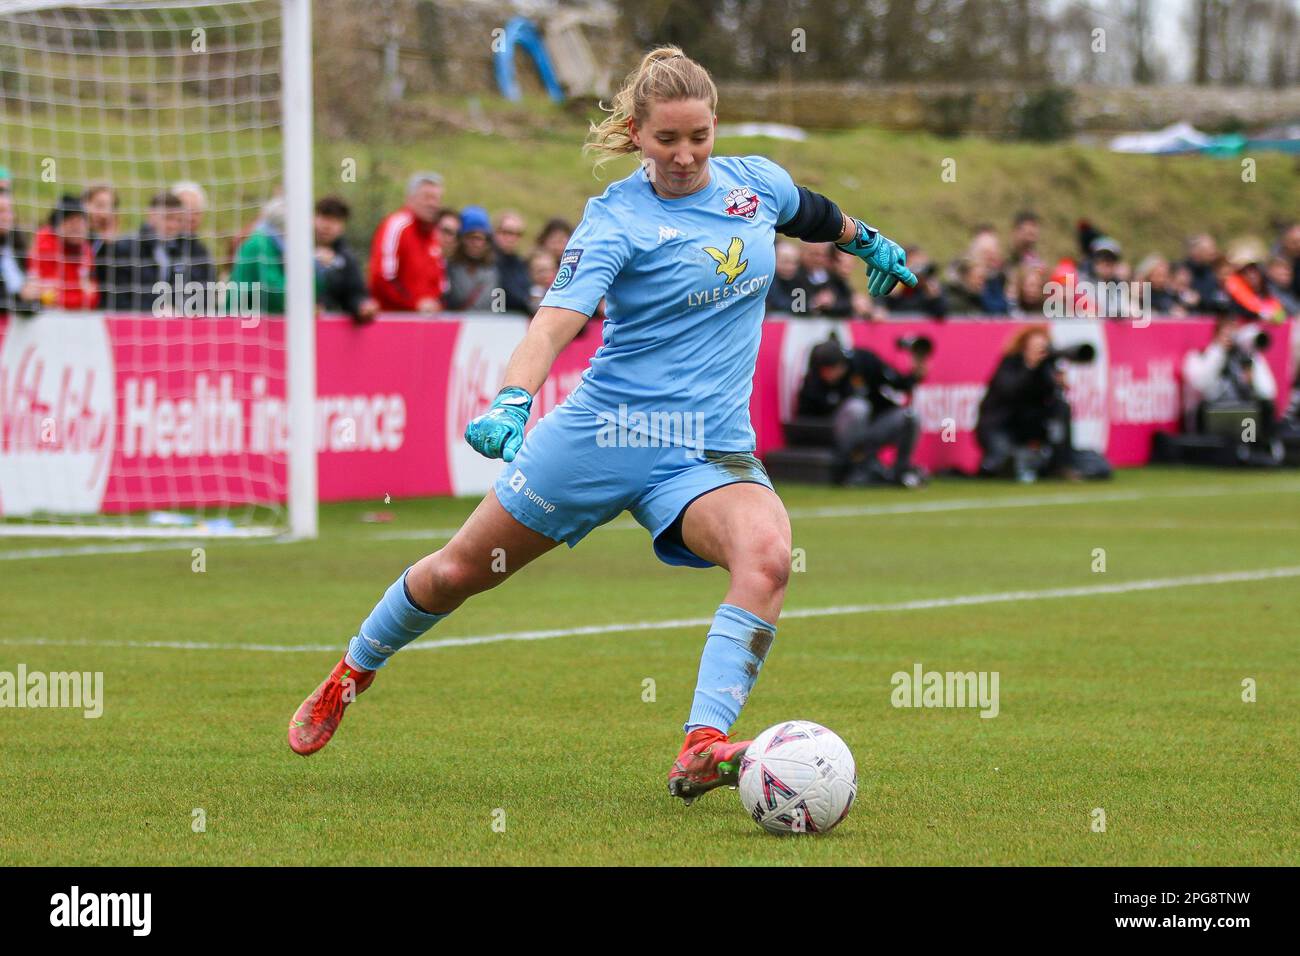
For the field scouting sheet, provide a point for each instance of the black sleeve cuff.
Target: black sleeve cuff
(818, 219)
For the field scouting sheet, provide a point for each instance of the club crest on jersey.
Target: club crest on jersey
(568, 267)
(741, 201)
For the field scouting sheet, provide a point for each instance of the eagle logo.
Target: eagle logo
(729, 265)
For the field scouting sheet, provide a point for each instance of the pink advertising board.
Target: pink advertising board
(117, 413)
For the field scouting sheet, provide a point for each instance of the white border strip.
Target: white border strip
(191, 537)
(920, 604)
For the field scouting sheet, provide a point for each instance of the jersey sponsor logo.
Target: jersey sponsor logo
(730, 264)
(517, 484)
(741, 201)
(538, 500)
(667, 232)
(568, 267)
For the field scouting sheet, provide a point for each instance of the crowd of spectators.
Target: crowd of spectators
(80, 259)
(1249, 280)
(427, 257)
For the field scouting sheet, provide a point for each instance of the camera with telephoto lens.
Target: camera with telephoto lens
(1239, 363)
(1259, 342)
(1081, 354)
(921, 346)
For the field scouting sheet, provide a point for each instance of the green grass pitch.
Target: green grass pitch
(1127, 699)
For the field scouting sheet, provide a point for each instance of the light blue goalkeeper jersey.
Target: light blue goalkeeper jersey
(684, 282)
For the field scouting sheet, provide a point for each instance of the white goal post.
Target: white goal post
(157, 375)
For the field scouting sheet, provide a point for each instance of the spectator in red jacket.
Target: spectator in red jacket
(407, 272)
(62, 262)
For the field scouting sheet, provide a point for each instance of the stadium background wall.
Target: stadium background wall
(156, 412)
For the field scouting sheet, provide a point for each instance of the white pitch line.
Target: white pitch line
(84, 550)
(920, 604)
(88, 549)
(920, 507)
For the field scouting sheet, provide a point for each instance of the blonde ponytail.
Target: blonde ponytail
(665, 74)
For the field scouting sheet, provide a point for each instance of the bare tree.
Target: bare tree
(1203, 28)
(1140, 27)
(1284, 52)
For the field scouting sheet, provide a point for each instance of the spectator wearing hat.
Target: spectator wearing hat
(407, 270)
(159, 252)
(472, 276)
(1245, 285)
(61, 262)
(514, 270)
(18, 293)
(1106, 294)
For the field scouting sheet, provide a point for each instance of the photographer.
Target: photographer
(1229, 374)
(863, 397)
(1024, 418)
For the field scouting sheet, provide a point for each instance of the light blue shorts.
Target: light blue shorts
(569, 478)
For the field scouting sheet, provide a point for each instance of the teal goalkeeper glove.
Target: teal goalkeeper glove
(886, 261)
(499, 431)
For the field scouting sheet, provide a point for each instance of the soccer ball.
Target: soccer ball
(798, 777)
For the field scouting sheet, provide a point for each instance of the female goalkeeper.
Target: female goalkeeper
(682, 251)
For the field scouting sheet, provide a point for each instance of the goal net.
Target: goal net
(156, 344)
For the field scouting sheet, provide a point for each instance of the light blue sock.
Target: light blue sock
(393, 624)
(733, 655)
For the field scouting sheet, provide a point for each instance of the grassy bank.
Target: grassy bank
(528, 157)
